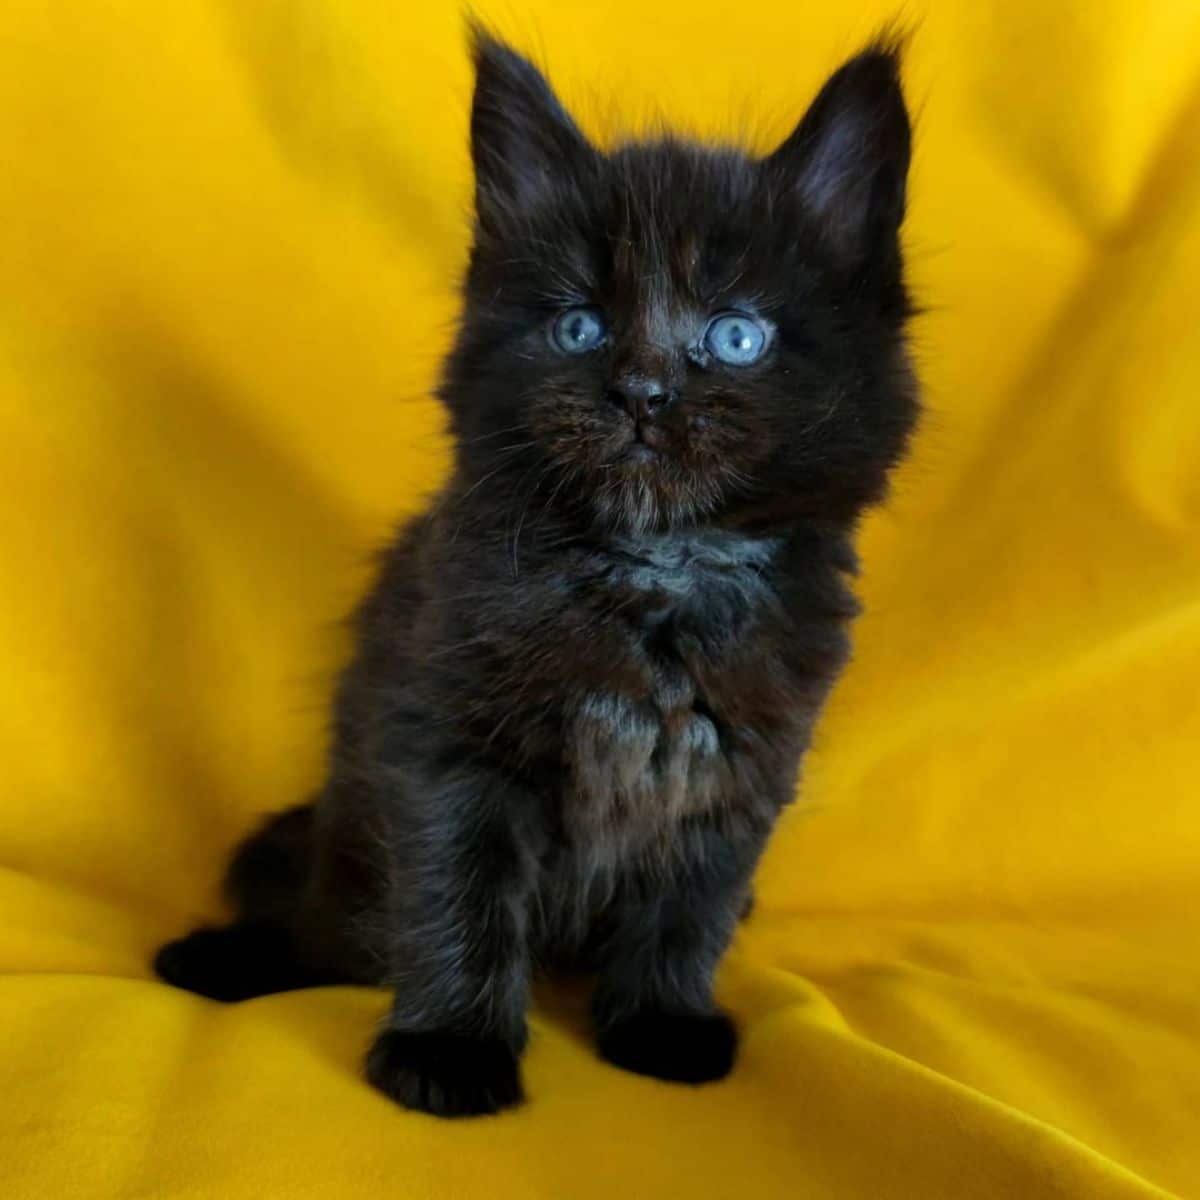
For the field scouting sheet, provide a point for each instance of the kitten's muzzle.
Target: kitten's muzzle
(641, 397)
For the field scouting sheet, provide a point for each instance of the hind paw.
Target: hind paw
(235, 962)
(207, 962)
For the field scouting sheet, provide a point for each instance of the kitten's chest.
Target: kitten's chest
(658, 736)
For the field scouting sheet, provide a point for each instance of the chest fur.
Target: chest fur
(660, 745)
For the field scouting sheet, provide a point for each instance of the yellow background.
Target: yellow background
(229, 232)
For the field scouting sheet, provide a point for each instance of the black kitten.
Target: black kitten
(585, 679)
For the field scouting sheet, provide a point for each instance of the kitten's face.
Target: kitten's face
(671, 334)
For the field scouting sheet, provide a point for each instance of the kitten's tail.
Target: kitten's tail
(259, 952)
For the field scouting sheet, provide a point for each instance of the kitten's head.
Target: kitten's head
(672, 334)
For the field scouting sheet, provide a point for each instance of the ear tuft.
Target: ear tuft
(521, 136)
(847, 161)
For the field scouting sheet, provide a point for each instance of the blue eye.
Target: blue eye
(578, 330)
(735, 338)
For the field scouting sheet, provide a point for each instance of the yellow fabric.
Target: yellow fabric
(229, 231)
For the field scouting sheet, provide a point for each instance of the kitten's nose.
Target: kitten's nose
(640, 396)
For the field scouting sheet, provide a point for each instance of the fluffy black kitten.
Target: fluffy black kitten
(585, 679)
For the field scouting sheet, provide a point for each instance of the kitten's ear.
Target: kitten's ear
(522, 139)
(847, 160)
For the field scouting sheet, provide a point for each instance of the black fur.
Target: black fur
(685, 1047)
(585, 679)
(446, 1073)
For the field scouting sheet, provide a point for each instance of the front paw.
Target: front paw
(446, 1074)
(683, 1047)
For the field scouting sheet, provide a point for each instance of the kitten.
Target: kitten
(585, 679)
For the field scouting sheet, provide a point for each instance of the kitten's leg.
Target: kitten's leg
(266, 949)
(654, 1007)
(463, 868)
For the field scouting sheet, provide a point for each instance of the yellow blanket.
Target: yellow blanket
(229, 231)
